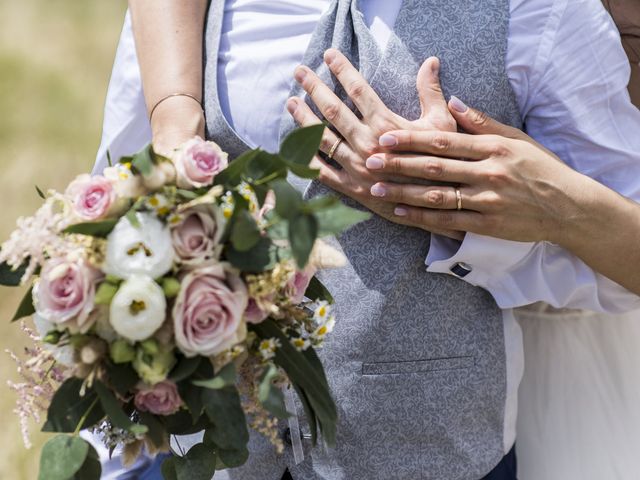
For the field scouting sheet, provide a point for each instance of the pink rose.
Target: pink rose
(196, 238)
(253, 313)
(92, 197)
(66, 291)
(161, 399)
(208, 311)
(197, 163)
(298, 284)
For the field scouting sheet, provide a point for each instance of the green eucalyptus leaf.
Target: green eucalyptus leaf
(168, 468)
(233, 174)
(122, 377)
(266, 166)
(26, 307)
(192, 396)
(232, 458)
(10, 277)
(91, 469)
(114, 411)
(143, 160)
(62, 457)
(226, 377)
(303, 231)
(198, 464)
(185, 367)
(288, 199)
(262, 256)
(302, 144)
(245, 233)
(157, 433)
(99, 229)
(68, 408)
(338, 218)
(225, 411)
(317, 291)
(270, 395)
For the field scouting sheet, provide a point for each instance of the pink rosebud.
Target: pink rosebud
(197, 163)
(207, 314)
(66, 291)
(161, 399)
(254, 314)
(298, 284)
(196, 239)
(92, 197)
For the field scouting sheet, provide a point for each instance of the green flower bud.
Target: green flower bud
(170, 286)
(153, 368)
(53, 337)
(121, 351)
(150, 346)
(106, 291)
(113, 279)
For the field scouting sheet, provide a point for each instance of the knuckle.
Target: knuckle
(326, 143)
(496, 176)
(481, 119)
(435, 198)
(441, 143)
(433, 168)
(332, 112)
(367, 147)
(357, 89)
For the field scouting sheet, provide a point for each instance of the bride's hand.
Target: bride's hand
(174, 121)
(510, 186)
(360, 135)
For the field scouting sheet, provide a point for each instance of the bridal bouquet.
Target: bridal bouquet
(176, 295)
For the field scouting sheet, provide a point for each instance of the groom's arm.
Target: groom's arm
(574, 100)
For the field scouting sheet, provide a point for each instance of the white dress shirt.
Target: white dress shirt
(568, 71)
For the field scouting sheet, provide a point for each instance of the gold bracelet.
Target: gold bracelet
(193, 97)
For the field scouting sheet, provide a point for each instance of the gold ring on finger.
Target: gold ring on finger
(458, 199)
(333, 148)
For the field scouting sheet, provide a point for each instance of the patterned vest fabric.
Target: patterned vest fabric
(416, 362)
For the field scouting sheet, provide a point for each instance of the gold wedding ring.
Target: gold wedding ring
(334, 148)
(458, 199)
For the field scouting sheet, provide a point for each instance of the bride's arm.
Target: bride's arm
(169, 42)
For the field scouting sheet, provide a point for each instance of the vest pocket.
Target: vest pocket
(417, 366)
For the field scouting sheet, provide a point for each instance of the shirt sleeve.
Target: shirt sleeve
(125, 129)
(574, 100)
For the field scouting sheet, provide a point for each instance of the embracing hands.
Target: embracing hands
(506, 185)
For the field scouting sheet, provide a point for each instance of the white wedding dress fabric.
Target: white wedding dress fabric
(579, 400)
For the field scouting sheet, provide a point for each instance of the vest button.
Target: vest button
(461, 269)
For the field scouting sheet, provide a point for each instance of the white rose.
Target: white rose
(138, 309)
(125, 183)
(143, 250)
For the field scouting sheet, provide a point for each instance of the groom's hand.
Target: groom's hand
(360, 136)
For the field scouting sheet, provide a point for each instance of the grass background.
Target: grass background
(55, 61)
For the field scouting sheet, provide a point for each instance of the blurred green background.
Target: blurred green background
(55, 62)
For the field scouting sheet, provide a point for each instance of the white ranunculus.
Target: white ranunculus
(138, 309)
(143, 250)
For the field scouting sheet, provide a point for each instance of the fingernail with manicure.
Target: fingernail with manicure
(374, 163)
(378, 190)
(458, 105)
(400, 211)
(387, 140)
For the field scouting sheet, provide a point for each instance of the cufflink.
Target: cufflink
(461, 269)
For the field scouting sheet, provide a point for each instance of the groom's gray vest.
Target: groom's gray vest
(417, 360)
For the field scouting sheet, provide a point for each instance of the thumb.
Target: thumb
(430, 94)
(479, 123)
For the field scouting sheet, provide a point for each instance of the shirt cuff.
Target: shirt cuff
(479, 260)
